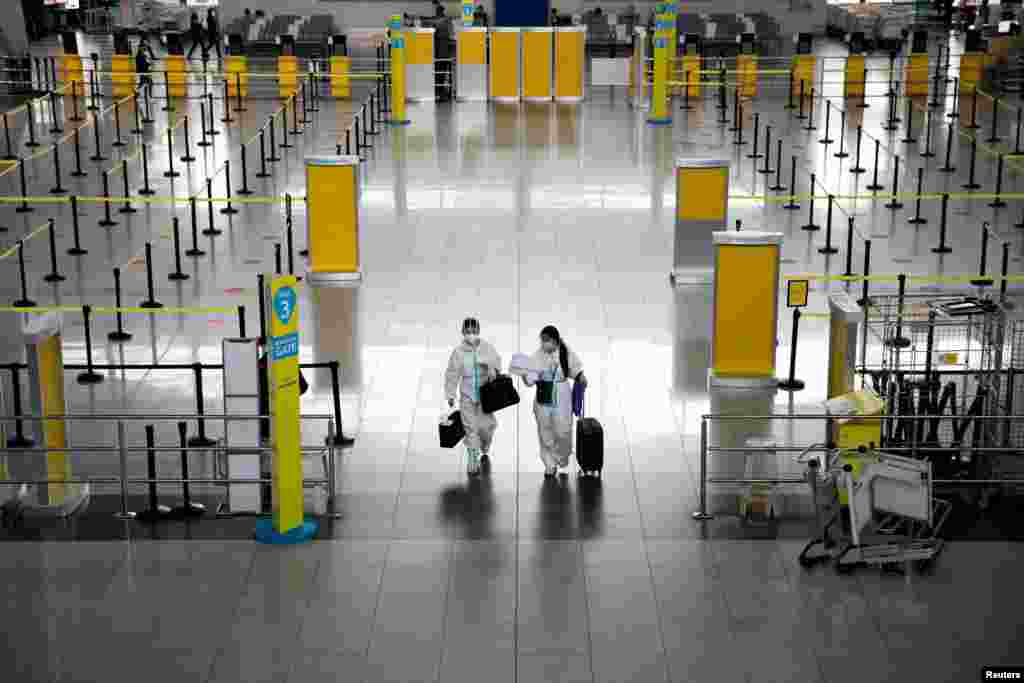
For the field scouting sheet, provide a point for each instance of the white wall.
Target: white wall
(793, 15)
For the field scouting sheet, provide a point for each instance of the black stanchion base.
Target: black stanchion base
(947, 169)
(136, 131)
(810, 126)
(827, 250)
(212, 132)
(927, 155)
(777, 188)
(148, 121)
(263, 175)
(897, 343)
(810, 227)
(178, 276)
(304, 253)
(740, 143)
(942, 250)
(841, 155)
(118, 143)
(826, 141)
(147, 192)
(79, 174)
(119, 336)
(56, 131)
(229, 211)
(766, 171)
(971, 186)
(127, 209)
(212, 232)
(983, 282)
(686, 107)
(171, 174)
(755, 156)
(151, 304)
(791, 384)
(24, 303)
(227, 119)
(159, 513)
(188, 511)
(76, 119)
(32, 144)
(893, 206)
(90, 378)
(245, 192)
(77, 251)
(203, 143)
(106, 223)
(195, 253)
(188, 159)
(201, 442)
(24, 209)
(891, 127)
(993, 140)
(22, 442)
(802, 117)
(340, 440)
(97, 157)
(858, 169)
(58, 190)
(792, 206)
(997, 204)
(972, 126)
(55, 277)
(917, 220)
(908, 141)
(284, 145)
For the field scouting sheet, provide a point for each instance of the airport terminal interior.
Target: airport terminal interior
(785, 244)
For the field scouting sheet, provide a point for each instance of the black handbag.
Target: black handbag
(497, 394)
(452, 432)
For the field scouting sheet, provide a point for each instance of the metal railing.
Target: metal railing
(913, 449)
(217, 449)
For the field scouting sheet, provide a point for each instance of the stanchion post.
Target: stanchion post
(998, 202)
(178, 275)
(187, 507)
(811, 125)
(244, 190)
(76, 116)
(154, 510)
(30, 112)
(757, 132)
(842, 153)
(118, 335)
(778, 186)
(227, 106)
(211, 129)
(865, 300)
(263, 155)
(78, 172)
(7, 136)
(849, 247)
(971, 184)
(24, 207)
(19, 440)
(127, 208)
(57, 188)
(228, 210)
(89, 376)
(983, 280)
(339, 437)
(55, 128)
(195, 251)
(994, 137)
(791, 383)
(170, 172)
(828, 249)
(943, 248)
(239, 107)
(284, 127)
(241, 322)
(898, 340)
(77, 249)
(895, 203)
(273, 141)
(910, 139)
(200, 440)
(801, 115)
(24, 301)
(1005, 270)
(811, 225)
(789, 102)
(857, 168)
(948, 168)
(918, 219)
(107, 221)
(928, 152)
(210, 230)
(973, 125)
(146, 189)
(150, 301)
(875, 185)
(54, 274)
(203, 142)
(792, 204)
(826, 139)
(766, 169)
(98, 156)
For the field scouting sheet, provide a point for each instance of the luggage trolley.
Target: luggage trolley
(893, 516)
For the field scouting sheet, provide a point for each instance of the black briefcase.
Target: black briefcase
(452, 432)
(497, 394)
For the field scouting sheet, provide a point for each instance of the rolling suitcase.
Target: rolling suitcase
(451, 430)
(589, 445)
(498, 394)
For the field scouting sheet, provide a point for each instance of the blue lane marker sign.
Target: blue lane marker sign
(284, 304)
(284, 346)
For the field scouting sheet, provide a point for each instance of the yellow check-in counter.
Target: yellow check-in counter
(570, 61)
(471, 64)
(419, 64)
(505, 67)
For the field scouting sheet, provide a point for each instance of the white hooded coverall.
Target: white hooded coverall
(469, 368)
(554, 422)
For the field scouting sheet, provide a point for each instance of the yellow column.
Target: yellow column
(537, 77)
(853, 85)
(505, 72)
(660, 114)
(287, 524)
(702, 197)
(341, 84)
(176, 76)
(288, 75)
(746, 290)
(569, 64)
(332, 220)
(671, 11)
(397, 72)
(915, 75)
(746, 75)
(237, 68)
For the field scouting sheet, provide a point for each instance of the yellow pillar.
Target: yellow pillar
(660, 114)
(537, 51)
(287, 524)
(505, 57)
(702, 197)
(671, 11)
(854, 76)
(237, 68)
(287, 75)
(341, 84)
(332, 220)
(397, 72)
(569, 63)
(746, 291)
(915, 75)
(177, 78)
(746, 75)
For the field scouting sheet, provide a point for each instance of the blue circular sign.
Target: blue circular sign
(284, 304)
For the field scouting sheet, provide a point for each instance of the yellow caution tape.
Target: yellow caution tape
(944, 279)
(147, 200)
(14, 250)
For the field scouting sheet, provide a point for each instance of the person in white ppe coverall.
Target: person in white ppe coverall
(550, 368)
(473, 364)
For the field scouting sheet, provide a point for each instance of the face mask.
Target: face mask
(549, 347)
(472, 339)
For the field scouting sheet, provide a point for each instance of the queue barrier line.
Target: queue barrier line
(14, 250)
(110, 310)
(930, 279)
(24, 107)
(148, 200)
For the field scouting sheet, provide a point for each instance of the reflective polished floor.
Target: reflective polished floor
(521, 216)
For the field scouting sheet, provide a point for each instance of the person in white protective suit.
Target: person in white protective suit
(550, 368)
(473, 364)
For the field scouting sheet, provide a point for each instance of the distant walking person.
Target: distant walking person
(195, 33)
(213, 31)
(144, 59)
(472, 364)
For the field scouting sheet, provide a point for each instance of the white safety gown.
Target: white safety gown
(469, 368)
(554, 422)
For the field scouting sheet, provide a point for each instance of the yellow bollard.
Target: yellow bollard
(660, 115)
(237, 68)
(397, 71)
